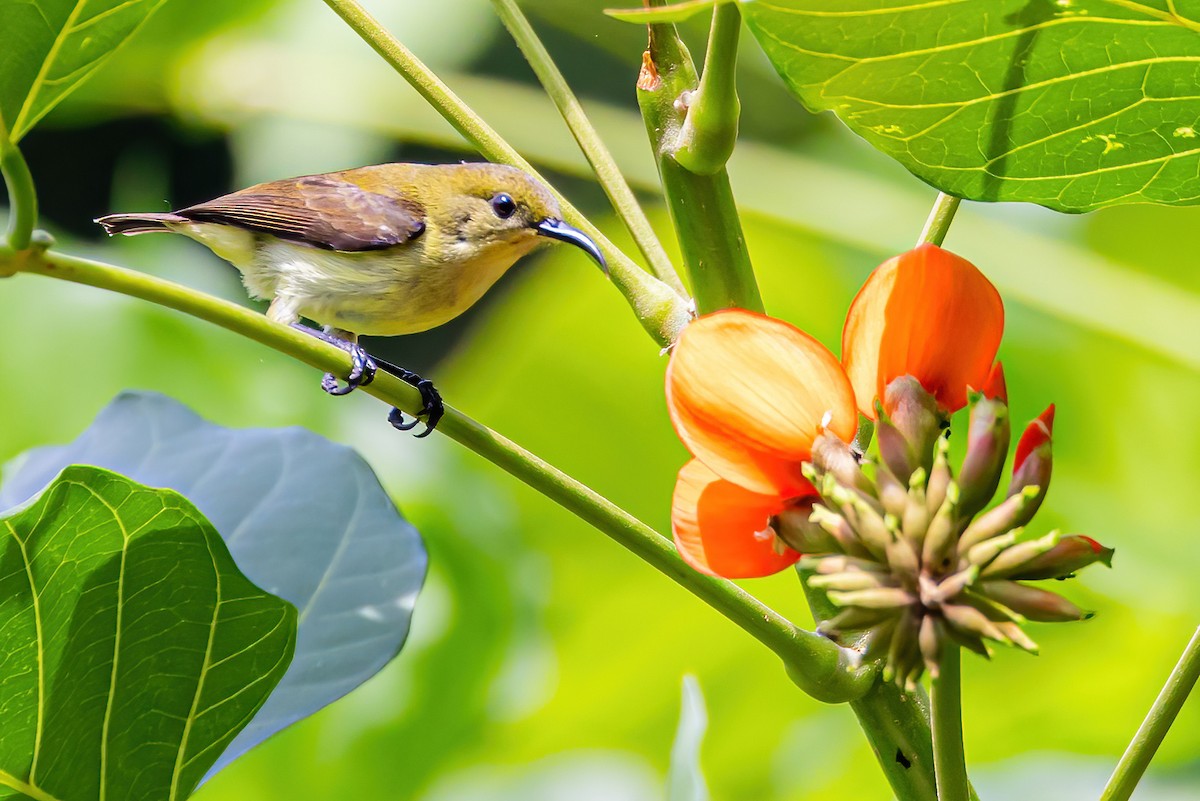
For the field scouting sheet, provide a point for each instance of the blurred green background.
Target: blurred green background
(545, 661)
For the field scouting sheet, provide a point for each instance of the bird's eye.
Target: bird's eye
(504, 206)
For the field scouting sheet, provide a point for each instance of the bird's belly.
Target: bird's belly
(381, 293)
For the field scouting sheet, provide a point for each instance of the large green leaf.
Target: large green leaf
(1073, 104)
(302, 516)
(132, 650)
(48, 47)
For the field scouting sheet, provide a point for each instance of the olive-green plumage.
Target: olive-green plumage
(382, 250)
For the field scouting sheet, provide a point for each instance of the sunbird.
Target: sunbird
(382, 250)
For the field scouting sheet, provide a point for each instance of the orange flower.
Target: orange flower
(748, 395)
(926, 313)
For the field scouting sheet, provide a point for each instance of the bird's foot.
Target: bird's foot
(362, 372)
(362, 365)
(432, 407)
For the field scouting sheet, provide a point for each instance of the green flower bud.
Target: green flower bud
(893, 494)
(1032, 603)
(940, 539)
(987, 450)
(998, 519)
(1011, 560)
(874, 598)
(849, 581)
(832, 455)
(915, 414)
(840, 529)
(1068, 555)
(940, 476)
(894, 449)
(971, 621)
(799, 532)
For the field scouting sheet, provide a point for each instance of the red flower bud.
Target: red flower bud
(994, 386)
(1032, 463)
(1071, 553)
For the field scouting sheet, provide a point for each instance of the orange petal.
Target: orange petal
(724, 530)
(926, 313)
(748, 394)
(863, 333)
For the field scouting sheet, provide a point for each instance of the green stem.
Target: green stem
(895, 722)
(949, 761)
(661, 310)
(22, 196)
(1154, 728)
(702, 207)
(710, 128)
(593, 147)
(823, 669)
(897, 726)
(939, 219)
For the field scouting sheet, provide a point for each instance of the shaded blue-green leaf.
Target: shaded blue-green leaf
(1072, 104)
(132, 650)
(49, 47)
(685, 780)
(304, 517)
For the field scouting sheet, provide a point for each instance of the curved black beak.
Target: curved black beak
(557, 229)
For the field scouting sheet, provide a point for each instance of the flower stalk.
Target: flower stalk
(949, 760)
(659, 308)
(938, 224)
(701, 204)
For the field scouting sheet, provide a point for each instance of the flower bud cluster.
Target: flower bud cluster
(907, 549)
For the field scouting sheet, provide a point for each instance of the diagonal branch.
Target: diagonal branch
(1154, 728)
(820, 667)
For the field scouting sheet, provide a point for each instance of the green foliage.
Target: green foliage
(524, 663)
(134, 649)
(300, 514)
(49, 47)
(1072, 104)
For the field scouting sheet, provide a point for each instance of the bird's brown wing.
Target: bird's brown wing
(317, 210)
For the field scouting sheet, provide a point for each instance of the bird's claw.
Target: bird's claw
(432, 410)
(362, 372)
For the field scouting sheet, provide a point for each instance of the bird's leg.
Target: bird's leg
(362, 371)
(432, 407)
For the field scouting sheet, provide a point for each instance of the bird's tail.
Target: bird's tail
(137, 223)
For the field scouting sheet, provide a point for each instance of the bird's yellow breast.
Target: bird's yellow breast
(398, 290)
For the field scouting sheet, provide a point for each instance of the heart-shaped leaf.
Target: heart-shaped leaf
(49, 47)
(1072, 104)
(304, 518)
(132, 650)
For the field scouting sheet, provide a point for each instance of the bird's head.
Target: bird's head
(480, 207)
